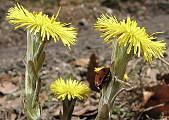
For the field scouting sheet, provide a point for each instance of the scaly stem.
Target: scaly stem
(110, 91)
(109, 94)
(34, 60)
(68, 107)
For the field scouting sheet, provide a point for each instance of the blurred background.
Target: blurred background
(149, 81)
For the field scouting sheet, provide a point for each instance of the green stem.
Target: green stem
(68, 107)
(110, 91)
(34, 61)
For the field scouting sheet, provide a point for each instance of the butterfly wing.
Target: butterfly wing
(101, 76)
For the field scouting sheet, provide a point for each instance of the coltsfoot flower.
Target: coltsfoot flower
(129, 34)
(70, 89)
(38, 22)
(125, 77)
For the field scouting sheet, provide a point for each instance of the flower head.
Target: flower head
(38, 22)
(125, 76)
(129, 34)
(70, 89)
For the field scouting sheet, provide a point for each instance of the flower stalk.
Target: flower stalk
(40, 31)
(68, 107)
(110, 91)
(127, 39)
(35, 56)
(68, 92)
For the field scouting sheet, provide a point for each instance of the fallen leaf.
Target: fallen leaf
(57, 111)
(91, 113)
(85, 111)
(156, 100)
(7, 87)
(6, 84)
(93, 63)
(147, 95)
(4, 77)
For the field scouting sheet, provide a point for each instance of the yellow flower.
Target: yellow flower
(36, 22)
(125, 77)
(129, 34)
(98, 69)
(70, 89)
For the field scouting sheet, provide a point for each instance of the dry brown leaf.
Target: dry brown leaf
(93, 63)
(4, 77)
(156, 101)
(7, 87)
(91, 114)
(57, 111)
(147, 95)
(85, 110)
